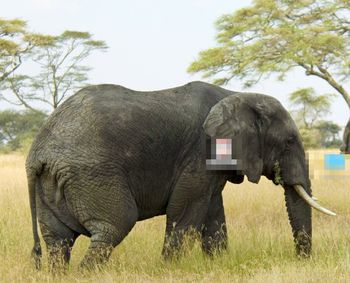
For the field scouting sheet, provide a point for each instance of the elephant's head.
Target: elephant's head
(266, 141)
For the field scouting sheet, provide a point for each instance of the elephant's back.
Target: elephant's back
(110, 121)
(101, 110)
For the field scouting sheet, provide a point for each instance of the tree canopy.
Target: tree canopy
(309, 111)
(58, 64)
(15, 44)
(309, 106)
(37, 69)
(12, 42)
(275, 36)
(18, 127)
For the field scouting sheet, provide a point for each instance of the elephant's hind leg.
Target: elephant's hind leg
(109, 217)
(105, 237)
(58, 237)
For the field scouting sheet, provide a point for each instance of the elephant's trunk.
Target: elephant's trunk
(299, 203)
(299, 213)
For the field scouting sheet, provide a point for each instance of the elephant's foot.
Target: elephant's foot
(104, 237)
(96, 256)
(172, 245)
(59, 256)
(177, 242)
(214, 245)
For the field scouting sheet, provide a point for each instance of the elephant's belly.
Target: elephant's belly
(151, 200)
(149, 213)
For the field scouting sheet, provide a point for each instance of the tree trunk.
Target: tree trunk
(345, 147)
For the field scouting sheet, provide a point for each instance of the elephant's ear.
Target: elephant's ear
(233, 118)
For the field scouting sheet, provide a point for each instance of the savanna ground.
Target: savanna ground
(260, 240)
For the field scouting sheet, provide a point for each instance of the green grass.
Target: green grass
(260, 240)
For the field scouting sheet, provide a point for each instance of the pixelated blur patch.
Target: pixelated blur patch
(223, 148)
(334, 161)
(324, 164)
(219, 155)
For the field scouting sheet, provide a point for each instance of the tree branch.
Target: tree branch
(5, 75)
(20, 98)
(329, 78)
(325, 75)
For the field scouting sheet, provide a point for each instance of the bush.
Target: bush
(18, 128)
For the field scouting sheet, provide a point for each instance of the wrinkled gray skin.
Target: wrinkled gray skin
(345, 147)
(110, 156)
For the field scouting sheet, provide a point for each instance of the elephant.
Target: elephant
(345, 147)
(109, 156)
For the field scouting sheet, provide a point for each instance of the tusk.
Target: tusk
(310, 201)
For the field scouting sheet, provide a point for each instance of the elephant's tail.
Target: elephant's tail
(36, 252)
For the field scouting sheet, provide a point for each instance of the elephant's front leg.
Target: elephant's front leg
(184, 219)
(214, 234)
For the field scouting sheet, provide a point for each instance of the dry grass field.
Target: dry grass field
(260, 240)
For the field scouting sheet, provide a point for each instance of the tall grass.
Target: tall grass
(260, 240)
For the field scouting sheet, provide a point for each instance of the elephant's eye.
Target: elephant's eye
(290, 140)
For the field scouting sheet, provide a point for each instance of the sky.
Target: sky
(151, 43)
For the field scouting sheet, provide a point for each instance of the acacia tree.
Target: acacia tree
(16, 43)
(60, 70)
(12, 46)
(17, 127)
(309, 111)
(276, 36)
(309, 107)
(329, 134)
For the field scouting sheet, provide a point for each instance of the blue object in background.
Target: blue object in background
(334, 161)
